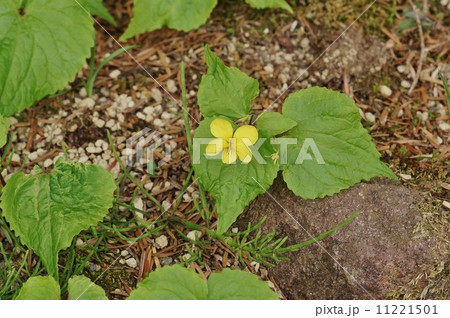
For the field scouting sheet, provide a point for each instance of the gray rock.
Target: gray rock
(166, 260)
(374, 255)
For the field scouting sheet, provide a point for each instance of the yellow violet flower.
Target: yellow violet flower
(232, 145)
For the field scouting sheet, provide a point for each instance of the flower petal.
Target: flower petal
(243, 151)
(229, 154)
(221, 128)
(247, 131)
(214, 147)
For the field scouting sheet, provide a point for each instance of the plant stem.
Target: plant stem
(447, 93)
(187, 125)
(93, 72)
(89, 85)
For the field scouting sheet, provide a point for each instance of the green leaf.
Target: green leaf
(171, 283)
(4, 128)
(273, 123)
(225, 91)
(41, 51)
(180, 283)
(233, 186)
(264, 4)
(39, 288)
(182, 15)
(447, 93)
(81, 288)
(47, 210)
(96, 7)
(332, 121)
(236, 284)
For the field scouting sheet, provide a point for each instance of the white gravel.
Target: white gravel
(161, 242)
(131, 262)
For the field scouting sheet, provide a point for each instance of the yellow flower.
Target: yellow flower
(231, 145)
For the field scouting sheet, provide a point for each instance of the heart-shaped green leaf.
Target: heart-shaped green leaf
(225, 91)
(4, 128)
(182, 15)
(81, 288)
(331, 123)
(171, 283)
(236, 284)
(47, 210)
(42, 47)
(39, 288)
(264, 4)
(180, 283)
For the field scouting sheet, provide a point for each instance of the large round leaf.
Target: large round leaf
(47, 210)
(39, 288)
(171, 283)
(334, 151)
(236, 284)
(42, 47)
(4, 128)
(183, 15)
(265, 4)
(82, 288)
(180, 283)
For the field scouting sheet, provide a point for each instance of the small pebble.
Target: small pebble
(171, 86)
(402, 68)
(139, 204)
(405, 176)
(194, 235)
(166, 260)
(16, 158)
(406, 84)
(444, 126)
(139, 215)
(124, 253)
(83, 93)
(156, 95)
(114, 74)
(48, 163)
(87, 102)
(304, 43)
(83, 159)
(158, 122)
(92, 149)
(161, 242)
(166, 205)
(33, 156)
(268, 68)
(131, 262)
(370, 117)
(100, 123)
(385, 91)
